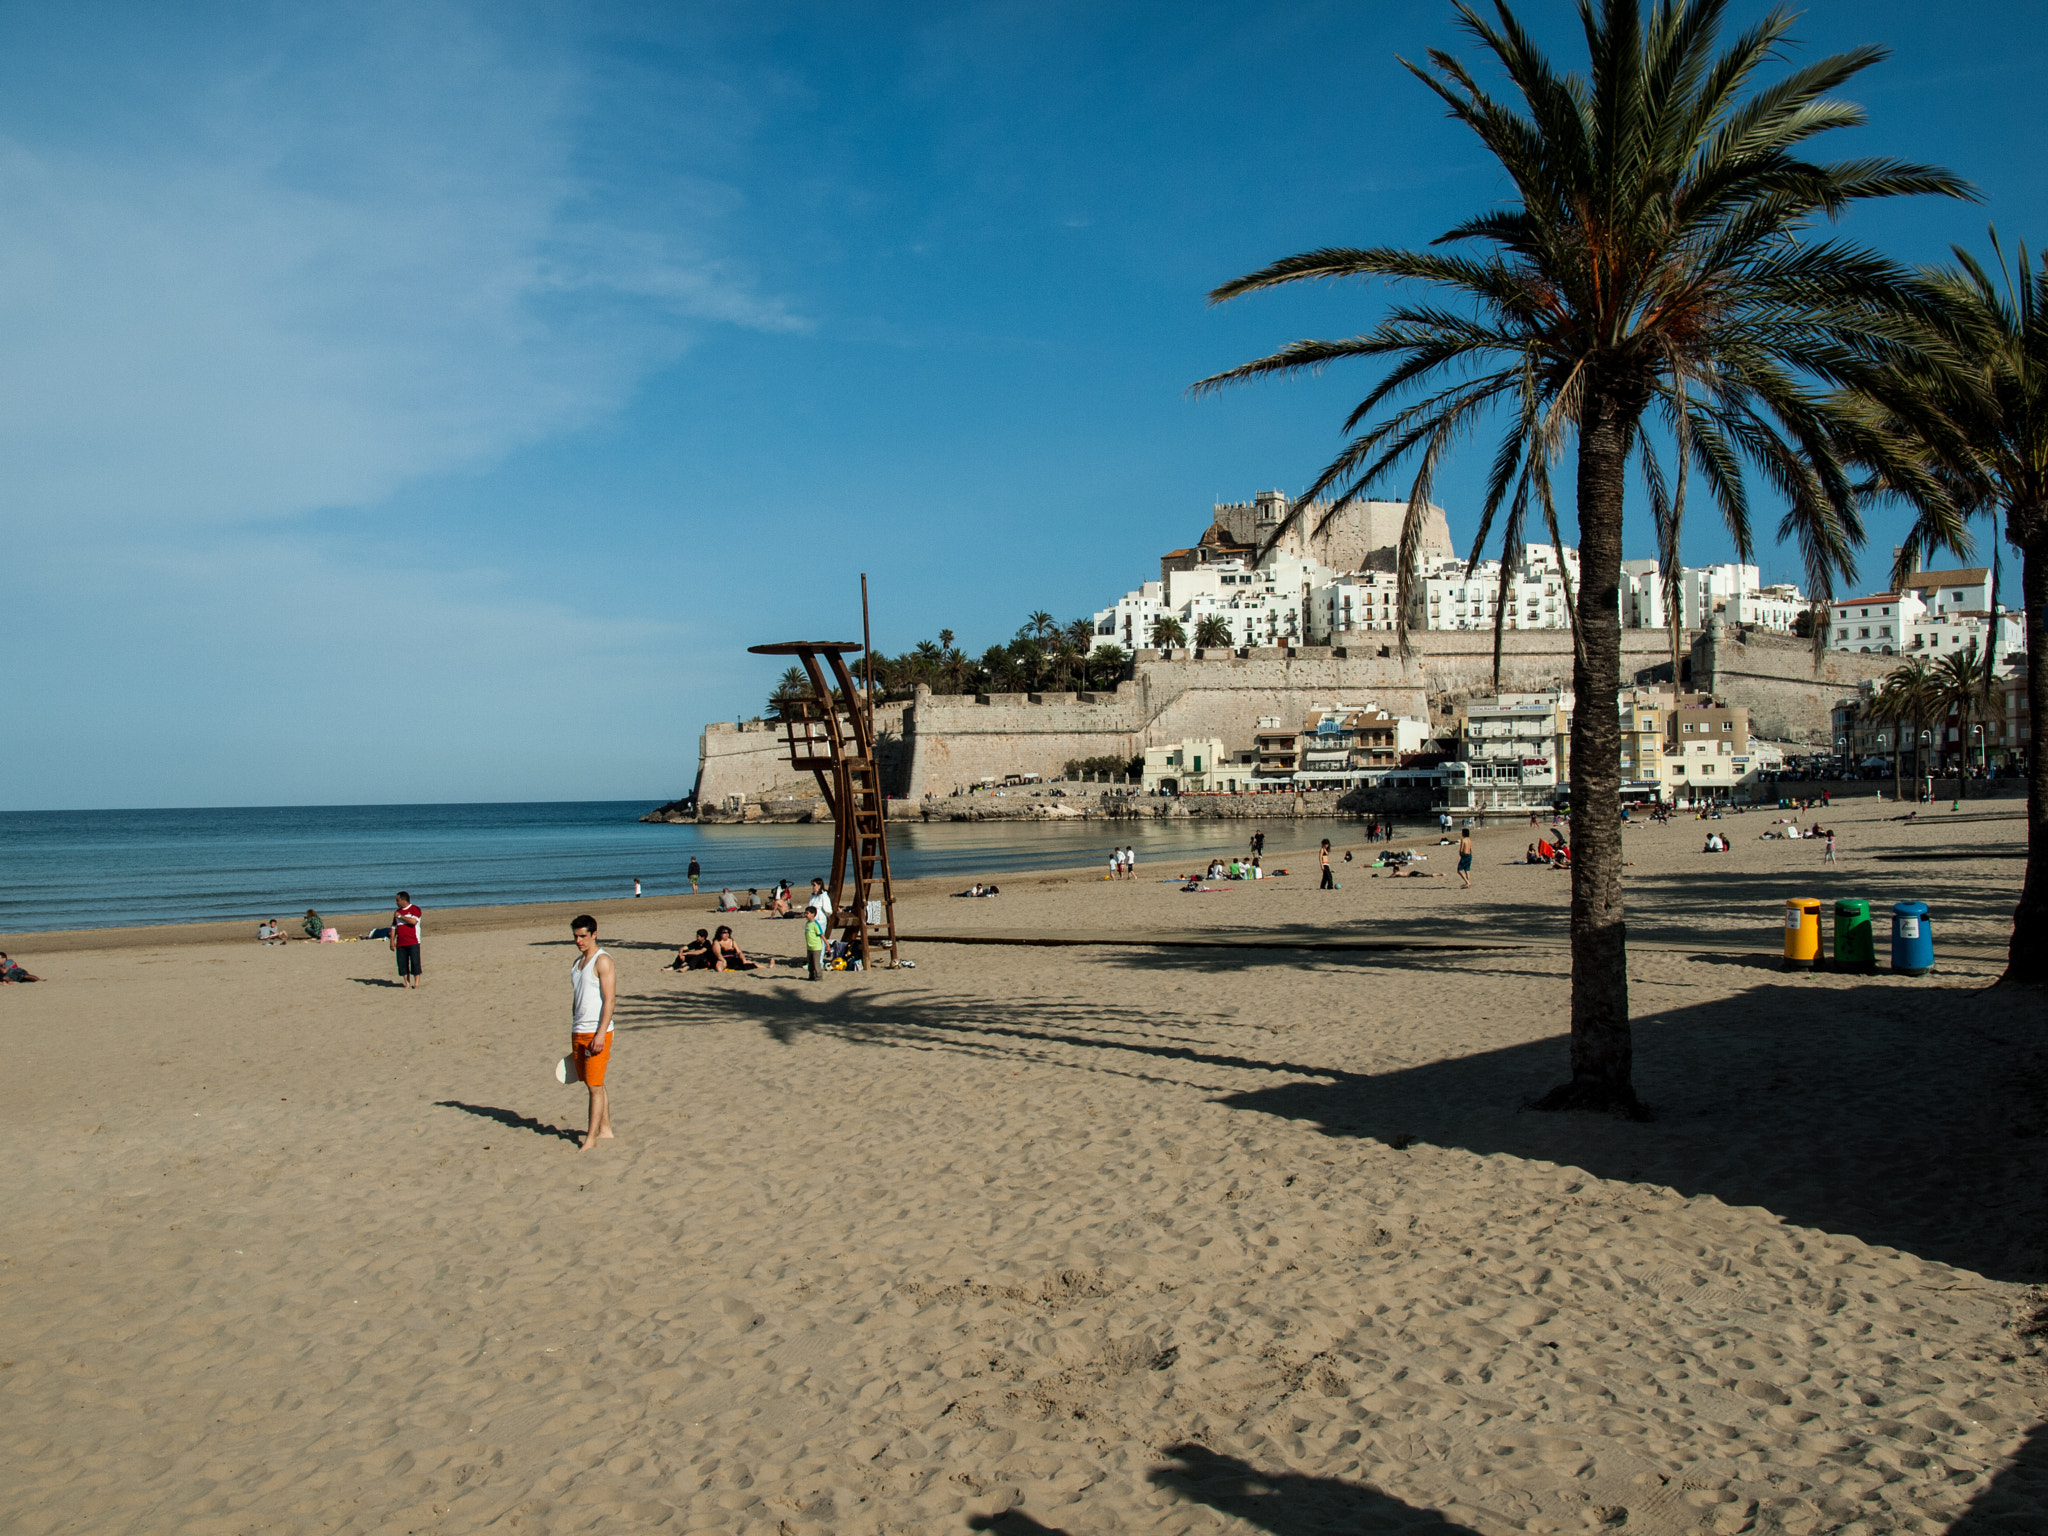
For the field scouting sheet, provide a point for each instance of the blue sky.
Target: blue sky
(425, 402)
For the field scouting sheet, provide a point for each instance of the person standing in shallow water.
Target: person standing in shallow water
(695, 871)
(593, 987)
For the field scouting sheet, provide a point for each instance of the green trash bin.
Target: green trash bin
(1855, 944)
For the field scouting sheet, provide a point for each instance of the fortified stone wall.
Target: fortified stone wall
(747, 759)
(1773, 675)
(955, 739)
(942, 742)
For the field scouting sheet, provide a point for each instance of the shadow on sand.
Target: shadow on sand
(1910, 1116)
(511, 1120)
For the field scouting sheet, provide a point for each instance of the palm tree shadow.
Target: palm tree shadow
(1911, 1117)
(2017, 1499)
(510, 1119)
(1290, 1503)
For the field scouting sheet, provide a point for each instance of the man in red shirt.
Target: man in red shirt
(405, 940)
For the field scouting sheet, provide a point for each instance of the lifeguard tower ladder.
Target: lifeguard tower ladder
(840, 751)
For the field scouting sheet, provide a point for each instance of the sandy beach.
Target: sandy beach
(1218, 1213)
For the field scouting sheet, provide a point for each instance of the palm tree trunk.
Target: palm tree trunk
(1602, 1052)
(2027, 960)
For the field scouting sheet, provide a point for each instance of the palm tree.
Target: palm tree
(1962, 692)
(791, 688)
(1982, 425)
(1649, 263)
(1108, 661)
(1907, 701)
(1167, 633)
(1213, 631)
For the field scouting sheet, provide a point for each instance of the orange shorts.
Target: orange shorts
(591, 1060)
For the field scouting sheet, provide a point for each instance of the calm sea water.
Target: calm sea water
(96, 869)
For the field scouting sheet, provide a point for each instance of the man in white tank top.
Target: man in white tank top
(593, 987)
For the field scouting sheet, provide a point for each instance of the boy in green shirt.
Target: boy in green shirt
(814, 943)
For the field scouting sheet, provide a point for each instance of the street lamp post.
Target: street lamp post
(1841, 757)
(1927, 751)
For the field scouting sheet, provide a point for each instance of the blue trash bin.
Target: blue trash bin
(1912, 939)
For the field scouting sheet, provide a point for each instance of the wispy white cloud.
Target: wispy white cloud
(344, 260)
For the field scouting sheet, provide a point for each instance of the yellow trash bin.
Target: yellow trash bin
(1802, 933)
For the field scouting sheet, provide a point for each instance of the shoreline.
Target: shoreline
(497, 915)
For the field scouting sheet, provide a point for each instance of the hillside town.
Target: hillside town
(1263, 661)
(1331, 580)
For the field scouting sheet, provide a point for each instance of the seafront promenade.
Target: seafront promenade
(1196, 1212)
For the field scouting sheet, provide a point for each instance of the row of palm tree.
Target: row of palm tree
(1918, 699)
(1043, 655)
(1648, 293)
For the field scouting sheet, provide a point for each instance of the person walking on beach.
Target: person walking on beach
(1258, 844)
(593, 988)
(1829, 856)
(405, 940)
(636, 887)
(1329, 875)
(695, 871)
(1465, 859)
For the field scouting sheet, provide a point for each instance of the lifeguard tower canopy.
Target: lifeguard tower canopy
(840, 752)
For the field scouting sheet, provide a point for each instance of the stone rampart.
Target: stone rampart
(1774, 677)
(747, 759)
(953, 740)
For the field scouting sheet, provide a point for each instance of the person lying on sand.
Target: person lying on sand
(695, 955)
(10, 973)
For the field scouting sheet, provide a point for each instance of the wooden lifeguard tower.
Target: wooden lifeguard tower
(839, 749)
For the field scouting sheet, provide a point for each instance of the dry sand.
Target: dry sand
(1100, 1238)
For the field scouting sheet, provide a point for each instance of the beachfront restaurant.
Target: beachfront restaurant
(1498, 784)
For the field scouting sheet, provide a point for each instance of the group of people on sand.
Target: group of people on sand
(270, 931)
(1552, 850)
(1123, 863)
(718, 951)
(721, 951)
(777, 903)
(977, 890)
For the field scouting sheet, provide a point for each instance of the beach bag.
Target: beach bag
(330, 935)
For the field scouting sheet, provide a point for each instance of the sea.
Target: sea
(101, 869)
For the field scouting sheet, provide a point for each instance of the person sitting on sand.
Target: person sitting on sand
(753, 900)
(267, 932)
(726, 954)
(1532, 856)
(727, 902)
(10, 973)
(779, 905)
(311, 924)
(695, 955)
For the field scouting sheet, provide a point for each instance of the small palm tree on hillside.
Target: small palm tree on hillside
(1648, 267)
(1167, 633)
(1212, 631)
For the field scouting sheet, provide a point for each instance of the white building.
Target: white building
(1508, 754)
(1876, 624)
(1704, 589)
(1775, 607)
(1955, 632)
(1951, 592)
(1642, 595)
(1345, 744)
(1263, 605)
(1191, 768)
(1129, 622)
(1356, 601)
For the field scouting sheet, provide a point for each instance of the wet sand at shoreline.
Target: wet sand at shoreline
(1091, 1239)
